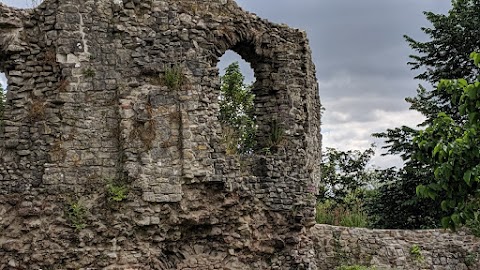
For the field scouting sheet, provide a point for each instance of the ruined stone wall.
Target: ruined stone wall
(395, 249)
(108, 163)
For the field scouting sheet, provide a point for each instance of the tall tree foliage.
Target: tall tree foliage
(236, 111)
(395, 204)
(446, 55)
(453, 37)
(451, 148)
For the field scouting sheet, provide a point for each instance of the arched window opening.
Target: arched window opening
(3, 92)
(236, 101)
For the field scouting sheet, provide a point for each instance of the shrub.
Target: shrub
(474, 224)
(328, 213)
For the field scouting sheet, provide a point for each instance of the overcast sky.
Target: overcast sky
(360, 57)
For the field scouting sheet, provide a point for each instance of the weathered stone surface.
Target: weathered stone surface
(392, 249)
(89, 110)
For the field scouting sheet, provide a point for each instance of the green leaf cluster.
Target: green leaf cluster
(451, 147)
(453, 37)
(345, 172)
(117, 192)
(416, 252)
(77, 215)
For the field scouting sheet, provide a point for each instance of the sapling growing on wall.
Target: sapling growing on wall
(173, 77)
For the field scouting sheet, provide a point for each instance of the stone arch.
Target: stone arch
(285, 82)
(267, 103)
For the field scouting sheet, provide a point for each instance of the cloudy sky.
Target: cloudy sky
(360, 57)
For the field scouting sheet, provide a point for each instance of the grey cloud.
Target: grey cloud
(355, 134)
(366, 85)
(360, 109)
(348, 34)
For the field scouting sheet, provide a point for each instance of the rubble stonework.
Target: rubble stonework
(90, 107)
(395, 249)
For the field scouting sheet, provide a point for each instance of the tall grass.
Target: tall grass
(332, 213)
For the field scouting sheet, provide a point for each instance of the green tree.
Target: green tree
(236, 111)
(445, 56)
(452, 38)
(344, 172)
(451, 147)
(394, 205)
(349, 183)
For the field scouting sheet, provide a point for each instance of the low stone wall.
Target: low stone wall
(395, 249)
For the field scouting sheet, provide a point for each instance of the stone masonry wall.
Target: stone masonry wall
(392, 249)
(105, 162)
